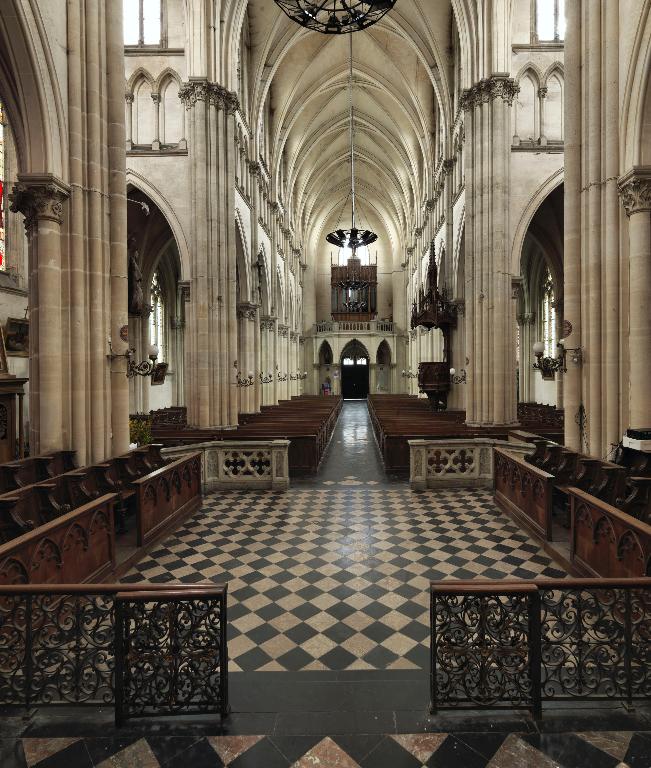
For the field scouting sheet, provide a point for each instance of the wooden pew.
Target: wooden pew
(307, 422)
(636, 499)
(76, 547)
(524, 491)
(122, 476)
(606, 541)
(34, 469)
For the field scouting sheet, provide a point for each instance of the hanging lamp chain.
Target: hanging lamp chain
(352, 132)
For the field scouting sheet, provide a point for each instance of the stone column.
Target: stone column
(542, 95)
(212, 394)
(635, 189)
(572, 391)
(490, 309)
(40, 199)
(128, 97)
(155, 97)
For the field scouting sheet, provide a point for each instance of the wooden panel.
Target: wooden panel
(169, 492)
(607, 542)
(525, 491)
(74, 548)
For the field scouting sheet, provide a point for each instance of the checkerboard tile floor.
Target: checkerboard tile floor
(337, 578)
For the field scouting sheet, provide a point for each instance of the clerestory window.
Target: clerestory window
(142, 22)
(550, 20)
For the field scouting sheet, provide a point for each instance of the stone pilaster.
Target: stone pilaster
(41, 200)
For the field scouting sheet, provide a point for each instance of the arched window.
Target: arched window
(548, 315)
(157, 318)
(550, 20)
(3, 263)
(142, 22)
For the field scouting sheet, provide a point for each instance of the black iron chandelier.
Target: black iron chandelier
(352, 238)
(336, 17)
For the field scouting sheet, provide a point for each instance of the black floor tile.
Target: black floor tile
(639, 751)
(294, 747)
(389, 754)
(264, 754)
(454, 753)
(570, 750)
(75, 755)
(199, 755)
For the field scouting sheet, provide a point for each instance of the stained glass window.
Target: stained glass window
(157, 333)
(548, 315)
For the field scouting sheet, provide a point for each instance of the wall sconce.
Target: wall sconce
(298, 376)
(248, 382)
(458, 378)
(145, 367)
(549, 365)
(266, 379)
(409, 375)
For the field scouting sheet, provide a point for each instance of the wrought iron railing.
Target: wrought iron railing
(145, 648)
(518, 644)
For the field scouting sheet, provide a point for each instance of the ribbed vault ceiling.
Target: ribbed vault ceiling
(401, 73)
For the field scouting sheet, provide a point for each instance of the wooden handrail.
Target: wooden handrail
(451, 585)
(107, 589)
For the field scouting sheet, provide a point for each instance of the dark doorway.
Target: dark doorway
(354, 371)
(354, 381)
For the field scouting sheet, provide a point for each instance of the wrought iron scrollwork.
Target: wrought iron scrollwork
(553, 640)
(481, 649)
(172, 656)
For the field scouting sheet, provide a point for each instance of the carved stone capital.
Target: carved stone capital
(246, 310)
(128, 97)
(490, 88)
(155, 97)
(192, 92)
(211, 93)
(635, 190)
(542, 92)
(39, 198)
(283, 330)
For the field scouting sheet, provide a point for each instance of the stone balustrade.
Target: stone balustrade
(355, 326)
(456, 462)
(233, 464)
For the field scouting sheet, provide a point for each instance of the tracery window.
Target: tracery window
(550, 20)
(548, 315)
(3, 213)
(142, 22)
(157, 318)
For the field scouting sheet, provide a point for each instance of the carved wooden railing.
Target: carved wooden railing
(518, 644)
(76, 547)
(606, 541)
(170, 492)
(524, 491)
(145, 648)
